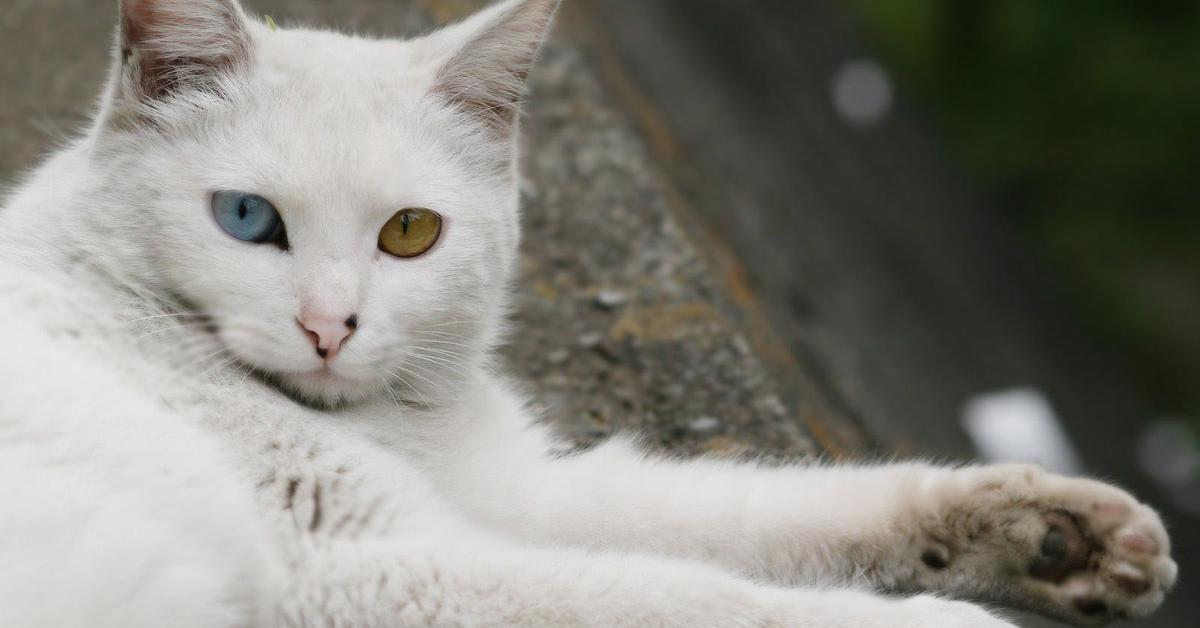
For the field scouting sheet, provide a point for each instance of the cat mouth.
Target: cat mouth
(321, 380)
(325, 374)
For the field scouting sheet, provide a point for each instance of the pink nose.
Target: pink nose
(328, 334)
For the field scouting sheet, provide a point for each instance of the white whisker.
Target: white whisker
(437, 387)
(415, 390)
(442, 362)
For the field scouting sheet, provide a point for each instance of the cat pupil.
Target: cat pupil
(404, 222)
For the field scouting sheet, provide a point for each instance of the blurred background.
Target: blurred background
(953, 229)
(1080, 124)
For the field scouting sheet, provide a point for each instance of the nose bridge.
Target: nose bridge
(330, 279)
(330, 284)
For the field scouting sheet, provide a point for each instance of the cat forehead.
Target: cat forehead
(322, 105)
(330, 59)
(345, 92)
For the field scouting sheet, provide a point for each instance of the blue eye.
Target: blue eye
(248, 217)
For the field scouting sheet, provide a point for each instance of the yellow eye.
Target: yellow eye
(410, 233)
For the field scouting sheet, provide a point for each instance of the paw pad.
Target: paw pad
(935, 559)
(1065, 549)
(1103, 558)
(1090, 607)
(1090, 552)
(1129, 579)
(1137, 542)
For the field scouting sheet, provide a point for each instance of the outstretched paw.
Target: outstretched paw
(1103, 553)
(1079, 550)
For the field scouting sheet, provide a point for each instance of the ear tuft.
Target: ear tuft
(486, 76)
(168, 46)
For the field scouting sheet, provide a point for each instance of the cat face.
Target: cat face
(343, 210)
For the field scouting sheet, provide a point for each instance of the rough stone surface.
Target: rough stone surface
(611, 278)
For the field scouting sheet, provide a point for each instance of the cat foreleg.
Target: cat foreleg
(452, 581)
(1075, 549)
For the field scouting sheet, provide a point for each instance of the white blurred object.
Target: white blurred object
(862, 92)
(1020, 426)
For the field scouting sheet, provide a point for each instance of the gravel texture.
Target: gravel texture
(621, 324)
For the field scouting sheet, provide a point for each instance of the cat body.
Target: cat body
(305, 429)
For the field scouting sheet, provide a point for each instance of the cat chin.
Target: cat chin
(323, 389)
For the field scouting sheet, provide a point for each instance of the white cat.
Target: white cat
(248, 322)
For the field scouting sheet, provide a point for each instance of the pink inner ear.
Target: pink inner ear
(181, 43)
(487, 76)
(138, 10)
(135, 13)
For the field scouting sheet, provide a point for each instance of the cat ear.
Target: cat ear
(490, 62)
(169, 46)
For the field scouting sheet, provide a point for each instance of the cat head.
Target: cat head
(342, 210)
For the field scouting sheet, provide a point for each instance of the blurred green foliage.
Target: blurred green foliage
(1083, 119)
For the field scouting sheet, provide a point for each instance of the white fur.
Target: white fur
(157, 473)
